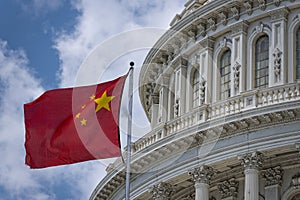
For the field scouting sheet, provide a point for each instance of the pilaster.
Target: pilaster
(205, 68)
(161, 191)
(273, 181)
(154, 109)
(239, 57)
(278, 73)
(163, 99)
(180, 87)
(229, 189)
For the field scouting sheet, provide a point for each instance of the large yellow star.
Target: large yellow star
(103, 102)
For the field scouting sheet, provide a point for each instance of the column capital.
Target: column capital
(239, 28)
(252, 160)
(273, 176)
(229, 188)
(161, 191)
(202, 174)
(279, 14)
(207, 43)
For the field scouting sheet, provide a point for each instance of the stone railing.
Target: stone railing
(245, 101)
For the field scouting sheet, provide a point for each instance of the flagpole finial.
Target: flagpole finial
(131, 64)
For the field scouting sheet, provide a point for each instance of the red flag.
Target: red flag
(71, 125)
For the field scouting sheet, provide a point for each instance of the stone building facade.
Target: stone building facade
(221, 89)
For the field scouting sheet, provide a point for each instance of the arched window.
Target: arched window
(262, 62)
(225, 71)
(298, 54)
(195, 85)
(296, 197)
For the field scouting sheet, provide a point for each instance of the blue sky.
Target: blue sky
(50, 44)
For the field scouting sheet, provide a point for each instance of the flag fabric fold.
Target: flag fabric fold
(71, 125)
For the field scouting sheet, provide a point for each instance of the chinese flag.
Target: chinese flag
(71, 125)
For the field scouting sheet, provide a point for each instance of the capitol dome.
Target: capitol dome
(221, 90)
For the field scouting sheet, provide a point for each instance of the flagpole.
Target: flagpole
(129, 127)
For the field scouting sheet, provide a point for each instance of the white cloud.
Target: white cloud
(100, 20)
(17, 87)
(40, 7)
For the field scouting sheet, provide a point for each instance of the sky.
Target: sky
(63, 43)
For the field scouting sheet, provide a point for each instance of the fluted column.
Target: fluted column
(273, 181)
(161, 191)
(252, 163)
(202, 176)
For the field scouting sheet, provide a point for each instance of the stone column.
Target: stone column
(273, 180)
(202, 176)
(252, 163)
(229, 189)
(161, 191)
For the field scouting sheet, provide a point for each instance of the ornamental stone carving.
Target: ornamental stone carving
(236, 74)
(236, 12)
(223, 17)
(296, 181)
(176, 107)
(224, 42)
(212, 23)
(202, 90)
(277, 63)
(189, 197)
(297, 145)
(195, 61)
(192, 33)
(262, 4)
(229, 188)
(277, 2)
(252, 160)
(273, 176)
(261, 28)
(248, 4)
(162, 191)
(201, 29)
(279, 14)
(202, 174)
(240, 27)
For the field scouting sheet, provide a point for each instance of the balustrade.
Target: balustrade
(244, 101)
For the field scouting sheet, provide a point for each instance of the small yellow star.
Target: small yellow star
(77, 115)
(83, 106)
(83, 122)
(103, 102)
(92, 97)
